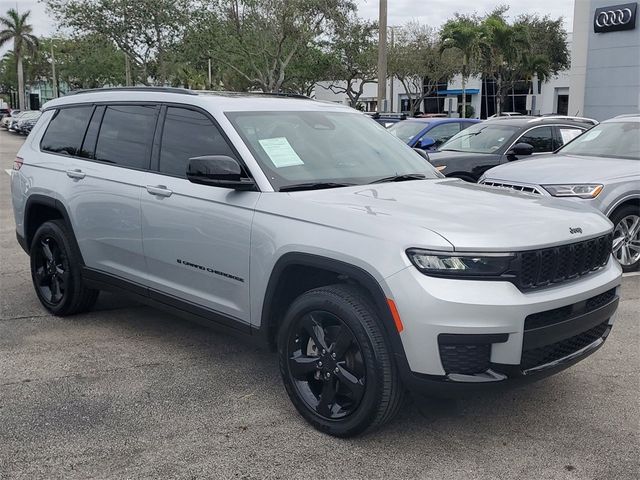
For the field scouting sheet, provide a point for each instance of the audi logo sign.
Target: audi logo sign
(615, 18)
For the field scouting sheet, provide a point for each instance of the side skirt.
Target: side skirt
(171, 304)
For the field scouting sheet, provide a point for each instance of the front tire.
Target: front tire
(335, 362)
(626, 237)
(56, 271)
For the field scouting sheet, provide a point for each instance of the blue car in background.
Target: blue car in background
(429, 133)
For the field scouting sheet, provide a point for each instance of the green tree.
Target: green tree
(15, 27)
(143, 29)
(353, 49)
(462, 34)
(415, 59)
(502, 47)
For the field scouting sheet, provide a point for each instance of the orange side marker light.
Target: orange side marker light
(395, 315)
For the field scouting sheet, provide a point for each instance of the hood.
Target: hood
(554, 169)
(470, 217)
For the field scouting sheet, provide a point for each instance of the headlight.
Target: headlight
(581, 191)
(452, 264)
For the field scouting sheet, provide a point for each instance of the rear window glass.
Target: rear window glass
(126, 135)
(66, 130)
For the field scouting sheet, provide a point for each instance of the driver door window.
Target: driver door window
(442, 133)
(541, 139)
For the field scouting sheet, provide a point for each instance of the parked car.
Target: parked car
(25, 123)
(4, 112)
(429, 133)
(6, 120)
(23, 115)
(507, 114)
(309, 229)
(480, 147)
(600, 168)
(387, 119)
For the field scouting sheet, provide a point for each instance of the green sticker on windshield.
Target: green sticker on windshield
(280, 152)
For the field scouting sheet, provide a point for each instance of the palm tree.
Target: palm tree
(503, 48)
(16, 28)
(463, 34)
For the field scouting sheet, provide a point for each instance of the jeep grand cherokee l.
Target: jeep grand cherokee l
(308, 227)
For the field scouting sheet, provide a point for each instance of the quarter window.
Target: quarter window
(186, 134)
(540, 138)
(567, 134)
(126, 135)
(66, 131)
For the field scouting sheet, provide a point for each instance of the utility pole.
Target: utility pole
(382, 57)
(56, 88)
(209, 73)
(391, 78)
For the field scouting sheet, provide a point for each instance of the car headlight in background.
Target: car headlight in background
(453, 264)
(579, 190)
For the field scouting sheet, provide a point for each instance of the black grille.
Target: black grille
(539, 268)
(555, 351)
(557, 315)
(465, 359)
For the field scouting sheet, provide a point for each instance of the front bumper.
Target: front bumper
(466, 335)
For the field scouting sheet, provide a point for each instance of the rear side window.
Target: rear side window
(188, 134)
(540, 138)
(66, 131)
(126, 135)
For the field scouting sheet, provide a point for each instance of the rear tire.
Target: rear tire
(335, 363)
(56, 271)
(626, 237)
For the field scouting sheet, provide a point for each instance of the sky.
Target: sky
(430, 12)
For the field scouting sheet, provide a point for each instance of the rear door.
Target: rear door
(196, 237)
(103, 181)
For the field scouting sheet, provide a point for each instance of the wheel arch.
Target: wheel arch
(40, 209)
(286, 283)
(622, 202)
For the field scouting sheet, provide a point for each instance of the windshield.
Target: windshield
(481, 138)
(406, 130)
(611, 139)
(305, 147)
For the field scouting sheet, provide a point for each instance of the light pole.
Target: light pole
(382, 57)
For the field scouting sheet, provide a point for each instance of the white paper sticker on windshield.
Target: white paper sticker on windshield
(280, 152)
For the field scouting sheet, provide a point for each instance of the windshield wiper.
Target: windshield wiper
(313, 186)
(401, 178)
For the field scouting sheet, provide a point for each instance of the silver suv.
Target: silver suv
(308, 227)
(600, 168)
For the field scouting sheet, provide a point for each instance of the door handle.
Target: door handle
(76, 174)
(159, 190)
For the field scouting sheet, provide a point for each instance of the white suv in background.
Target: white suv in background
(308, 227)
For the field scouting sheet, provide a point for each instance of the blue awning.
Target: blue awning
(458, 91)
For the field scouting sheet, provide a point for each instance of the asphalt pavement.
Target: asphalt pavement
(126, 391)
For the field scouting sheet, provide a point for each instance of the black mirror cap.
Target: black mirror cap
(218, 171)
(520, 149)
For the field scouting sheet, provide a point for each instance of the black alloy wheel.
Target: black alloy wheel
(336, 363)
(51, 275)
(326, 365)
(56, 271)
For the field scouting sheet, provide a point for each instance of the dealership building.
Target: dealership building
(604, 79)
(605, 59)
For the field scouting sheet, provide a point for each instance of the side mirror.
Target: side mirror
(422, 153)
(520, 149)
(218, 171)
(425, 143)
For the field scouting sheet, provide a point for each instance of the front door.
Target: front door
(196, 238)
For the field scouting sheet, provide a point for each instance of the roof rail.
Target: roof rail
(183, 91)
(257, 94)
(628, 115)
(566, 117)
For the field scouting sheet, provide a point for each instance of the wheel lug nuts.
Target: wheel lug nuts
(337, 370)
(328, 375)
(319, 364)
(333, 355)
(324, 351)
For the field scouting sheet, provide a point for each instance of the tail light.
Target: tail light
(17, 163)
